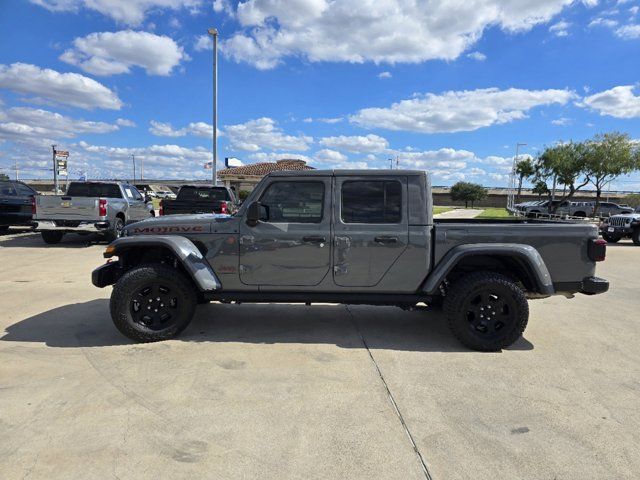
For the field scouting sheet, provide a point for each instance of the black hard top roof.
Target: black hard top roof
(346, 173)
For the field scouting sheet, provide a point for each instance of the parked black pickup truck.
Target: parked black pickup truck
(17, 203)
(200, 199)
(348, 236)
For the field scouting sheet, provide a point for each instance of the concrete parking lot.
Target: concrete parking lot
(290, 391)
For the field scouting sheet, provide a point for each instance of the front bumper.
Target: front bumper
(91, 227)
(594, 285)
(106, 274)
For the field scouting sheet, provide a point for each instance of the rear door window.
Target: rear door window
(7, 189)
(24, 190)
(365, 201)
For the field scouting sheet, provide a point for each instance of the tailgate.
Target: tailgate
(54, 207)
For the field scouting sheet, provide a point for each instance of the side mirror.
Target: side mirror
(255, 213)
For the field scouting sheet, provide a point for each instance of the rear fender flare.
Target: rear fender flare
(184, 250)
(528, 256)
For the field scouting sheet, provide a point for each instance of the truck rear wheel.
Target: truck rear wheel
(486, 311)
(635, 236)
(152, 303)
(116, 230)
(51, 236)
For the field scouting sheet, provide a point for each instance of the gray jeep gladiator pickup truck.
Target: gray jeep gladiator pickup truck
(352, 237)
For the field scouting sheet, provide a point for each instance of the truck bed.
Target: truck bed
(562, 245)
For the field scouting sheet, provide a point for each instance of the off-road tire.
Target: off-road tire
(510, 306)
(128, 289)
(4, 228)
(635, 236)
(51, 237)
(611, 238)
(116, 230)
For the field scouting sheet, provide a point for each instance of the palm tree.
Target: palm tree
(524, 169)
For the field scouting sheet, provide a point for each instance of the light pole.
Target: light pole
(55, 171)
(214, 167)
(133, 158)
(512, 182)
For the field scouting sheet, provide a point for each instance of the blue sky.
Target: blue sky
(449, 87)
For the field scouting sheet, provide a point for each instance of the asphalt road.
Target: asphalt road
(292, 392)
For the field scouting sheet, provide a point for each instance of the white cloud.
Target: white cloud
(130, 12)
(199, 129)
(458, 111)
(384, 75)
(603, 22)
(203, 42)
(330, 156)
(619, 102)
(49, 85)
(113, 53)
(263, 133)
(42, 127)
(390, 31)
(123, 122)
(274, 157)
(561, 121)
(479, 56)
(444, 158)
(156, 155)
(560, 29)
(629, 32)
(357, 144)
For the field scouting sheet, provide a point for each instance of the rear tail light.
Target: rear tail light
(102, 207)
(161, 209)
(597, 250)
(33, 206)
(223, 207)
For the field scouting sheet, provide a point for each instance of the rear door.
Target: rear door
(370, 227)
(290, 246)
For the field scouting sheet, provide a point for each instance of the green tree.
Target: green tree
(566, 163)
(608, 156)
(633, 200)
(243, 194)
(524, 169)
(540, 188)
(4, 176)
(468, 192)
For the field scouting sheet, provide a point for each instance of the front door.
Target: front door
(138, 209)
(370, 226)
(290, 246)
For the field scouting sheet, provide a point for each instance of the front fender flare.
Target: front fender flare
(185, 251)
(526, 254)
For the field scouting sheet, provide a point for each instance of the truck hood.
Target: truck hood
(178, 224)
(628, 216)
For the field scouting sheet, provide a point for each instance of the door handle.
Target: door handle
(314, 239)
(386, 239)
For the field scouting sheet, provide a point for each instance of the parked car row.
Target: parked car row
(572, 208)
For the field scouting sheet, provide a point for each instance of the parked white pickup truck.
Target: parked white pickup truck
(90, 207)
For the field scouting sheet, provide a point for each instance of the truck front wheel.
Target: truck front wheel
(611, 238)
(486, 311)
(635, 236)
(152, 303)
(51, 236)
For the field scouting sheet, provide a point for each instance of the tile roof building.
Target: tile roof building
(247, 176)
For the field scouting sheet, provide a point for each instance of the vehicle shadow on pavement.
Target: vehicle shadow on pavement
(34, 240)
(89, 325)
